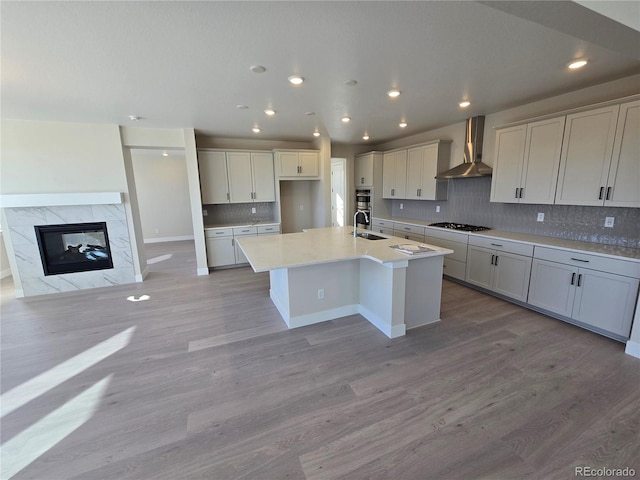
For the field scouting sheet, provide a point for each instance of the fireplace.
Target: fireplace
(75, 247)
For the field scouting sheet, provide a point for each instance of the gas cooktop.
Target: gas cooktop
(459, 226)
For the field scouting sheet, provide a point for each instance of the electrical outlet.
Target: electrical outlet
(437, 208)
(608, 222)
(301, 207)
(401, 206)
(540, 217)
(253, 209)
(320, 293)
(205, 213)
(157, 231)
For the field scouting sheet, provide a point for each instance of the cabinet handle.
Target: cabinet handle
(521, 192)
(492, 259)
(516, 196)
(233, 242)
(573, 278)
(407, 237)
(362, 180)
(580, 260)
(228, 196)
(496, 263)
(579, 280)
(601, 193)
(608, 196)
(393, 192)
(496, 244)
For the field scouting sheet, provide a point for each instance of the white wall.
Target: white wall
(295, 194)
(163, 195)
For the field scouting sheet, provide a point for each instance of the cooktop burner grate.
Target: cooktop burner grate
(459, 226)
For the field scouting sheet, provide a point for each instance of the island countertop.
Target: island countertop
(324, 245)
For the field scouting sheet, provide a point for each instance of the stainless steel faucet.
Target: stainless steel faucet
(366, 218)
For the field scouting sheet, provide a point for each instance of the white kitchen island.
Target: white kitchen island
(325, 273)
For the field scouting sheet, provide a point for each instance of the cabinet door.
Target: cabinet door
(479, 266)
(220, 251)
(541, 161)
(605, 301)
(586, 155)
(309, 164)
(388, 171)
(414, 173)
(213, 177)
(364, 171)
(511, 275)
(239, 254)
(623, 186)
(400, 174)
(428, 190)
(239, 170)
(288, 164)
(552, 286)
(263, 177)
(507, 165)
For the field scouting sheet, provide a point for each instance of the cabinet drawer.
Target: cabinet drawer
(218, 232)
(577, 258)
(238, 231)
(409, 236)
(459, 249)
(405, 228)
(445, 234)
(262, 229)
(383, 230)
(377, 222)
(502, 245)
(454, 268)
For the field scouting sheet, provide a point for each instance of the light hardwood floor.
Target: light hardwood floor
(214, 386)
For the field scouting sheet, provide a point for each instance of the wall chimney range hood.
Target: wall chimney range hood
(472, 165)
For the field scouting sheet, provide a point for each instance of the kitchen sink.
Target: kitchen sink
(370, 236)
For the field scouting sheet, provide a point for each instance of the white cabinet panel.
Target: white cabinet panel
(298, 163)
(214, 185)
(262, 174)
(480, 266)
(394, 174)
(364, 170)
(502, 272)
(220, 251)
(623, 185)
(551, 286)
(507, 165)
(239, 170)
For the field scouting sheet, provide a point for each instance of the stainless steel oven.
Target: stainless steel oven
(363, 204)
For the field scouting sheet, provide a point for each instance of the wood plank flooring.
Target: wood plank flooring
(214, 386)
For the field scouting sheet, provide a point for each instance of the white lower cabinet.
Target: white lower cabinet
(409, 232)
(455, 265)
(595, 291)
(220, 247)
(501, 266)
(240, 232)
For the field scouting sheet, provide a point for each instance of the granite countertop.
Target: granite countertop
(623, 253)
(324, 245)
(210, 226)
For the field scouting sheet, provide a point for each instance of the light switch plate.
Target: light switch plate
(540, 217)
(253, 209)
(608, 222)
(204, 213)
(401, 206)
(437, 208)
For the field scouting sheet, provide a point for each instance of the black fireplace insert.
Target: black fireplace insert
(74, 247)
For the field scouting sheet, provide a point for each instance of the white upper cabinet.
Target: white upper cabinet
(214, 185)
(586, 156)
(236, 177)
(623, 185)
(364, 170)
(298, 163)
(526, 163)
(424, 162)
(394, 174)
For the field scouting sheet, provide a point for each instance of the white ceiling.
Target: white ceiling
(186, 64)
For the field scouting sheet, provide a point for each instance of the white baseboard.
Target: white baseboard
(168, 239)
(202, 271)
(5, 273)
(143, 275)
(390, 331)
(633, 349)
(325, 315)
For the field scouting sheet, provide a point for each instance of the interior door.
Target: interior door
(338, 195)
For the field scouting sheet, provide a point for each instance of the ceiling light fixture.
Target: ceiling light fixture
(577, 64)
(242, 107)
(393, 93)
(316, 134)
(257, 69)
(296, 79)
(255, 130)
(134, 118)
(165, 154)
(345, 119)
(310, 114)
(351, 83)
(270, 112)
(402, 124)
(365, 137)
(464, 104)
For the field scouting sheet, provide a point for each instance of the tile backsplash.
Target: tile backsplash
(238, 213)
(468, 202)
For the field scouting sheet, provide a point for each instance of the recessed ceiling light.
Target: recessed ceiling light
(577, 64)
(257, 69)
(351, 83)
(402, 124)
(393, 93)
(270, 112)
(242, 107)
(345, 119)
(316, 134)
(255, 130)
(365, 137)
(165, 154)
(309, 114)
(464, 104)
(296, 79)
(134, 118)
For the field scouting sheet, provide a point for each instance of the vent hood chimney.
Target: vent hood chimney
(472, 165)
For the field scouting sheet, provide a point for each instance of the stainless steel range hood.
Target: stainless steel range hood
(472, 165)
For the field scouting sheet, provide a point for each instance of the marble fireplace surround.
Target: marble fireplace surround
(22, 212)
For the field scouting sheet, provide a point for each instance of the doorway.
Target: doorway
(338, 192)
